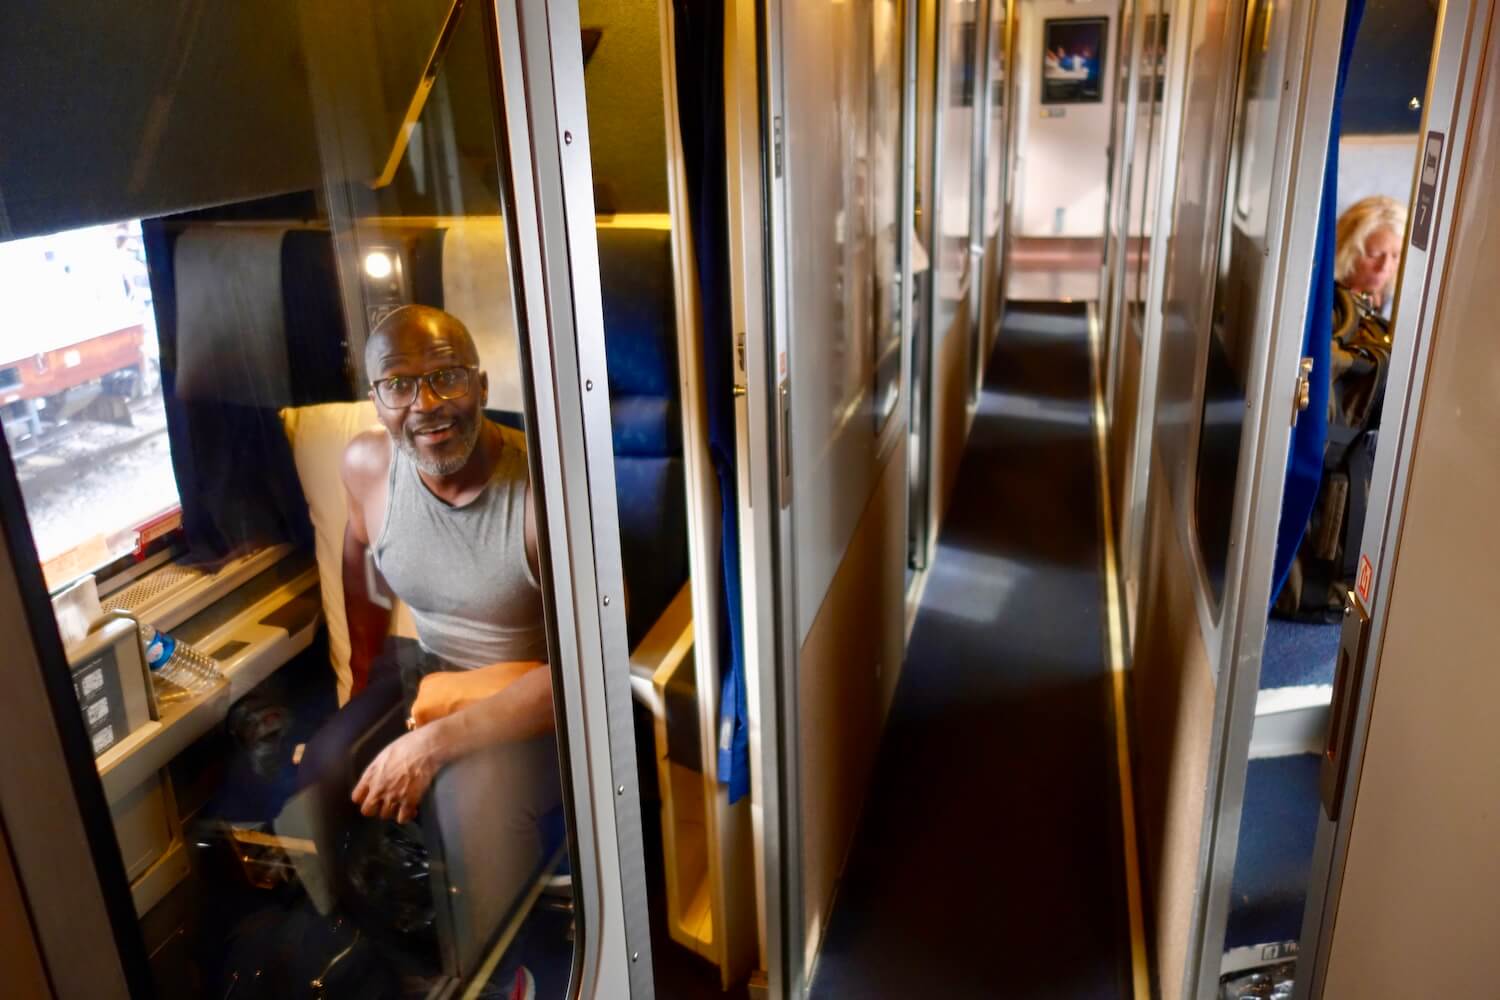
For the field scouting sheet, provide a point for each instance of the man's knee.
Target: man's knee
(327, 756)
(500, 792)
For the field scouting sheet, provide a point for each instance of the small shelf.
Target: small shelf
(265, 633)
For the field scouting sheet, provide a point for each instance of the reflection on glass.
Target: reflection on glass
(998, 51)
(330, 754)
(887, 24)
(1153, 70)
(1121, 183)
(1241, 261)
(855, 300)
(955, 165)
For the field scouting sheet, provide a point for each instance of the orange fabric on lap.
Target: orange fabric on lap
(448, 691)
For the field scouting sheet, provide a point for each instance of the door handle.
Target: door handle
(1348, 678)
(1302, 394)
(784, 397)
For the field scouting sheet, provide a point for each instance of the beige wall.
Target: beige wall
(1173, 721)
(1419, 913)
(950, 409)
(1064, 151)
(627, 126)
(21, 969)
(847, 673)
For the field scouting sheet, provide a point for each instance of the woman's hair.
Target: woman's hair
(1359, 222)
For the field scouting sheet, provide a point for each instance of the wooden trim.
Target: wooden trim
(21, 967)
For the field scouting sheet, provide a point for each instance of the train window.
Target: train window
(1239, 268)
(326, 731)
(80, 396)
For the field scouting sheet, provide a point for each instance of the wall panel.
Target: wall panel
(847, 673)
(950, 412)
(1063, 148)
(627, 133)
(1172, 685)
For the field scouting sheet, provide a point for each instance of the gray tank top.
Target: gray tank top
(463, 570)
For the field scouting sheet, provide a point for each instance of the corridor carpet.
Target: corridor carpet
(988, 862)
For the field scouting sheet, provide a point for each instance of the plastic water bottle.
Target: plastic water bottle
(178, 663)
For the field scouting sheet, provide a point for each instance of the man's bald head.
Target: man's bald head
(437, 427)
(413, 332)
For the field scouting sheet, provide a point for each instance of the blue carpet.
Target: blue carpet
(988, 860)
(1277, 830)
(1298, 653)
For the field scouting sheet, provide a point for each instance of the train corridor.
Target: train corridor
(988, 860)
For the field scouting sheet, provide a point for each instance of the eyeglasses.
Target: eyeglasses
(400, 391)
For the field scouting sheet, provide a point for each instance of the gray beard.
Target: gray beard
(443, 467)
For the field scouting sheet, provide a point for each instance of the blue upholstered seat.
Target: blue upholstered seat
(1298, 653)
(640, 340)
(1277, 832)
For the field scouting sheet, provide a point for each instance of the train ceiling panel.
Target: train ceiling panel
(172, 107)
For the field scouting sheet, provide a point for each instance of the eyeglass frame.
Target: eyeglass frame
(423, 379)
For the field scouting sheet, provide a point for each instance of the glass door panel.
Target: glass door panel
(996, 149)
(271, 398)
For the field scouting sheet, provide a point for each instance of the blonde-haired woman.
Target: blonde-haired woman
(1369, 250)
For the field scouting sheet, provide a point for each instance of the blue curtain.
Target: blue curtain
(700, 96)
(1304, 470)
(235, 476)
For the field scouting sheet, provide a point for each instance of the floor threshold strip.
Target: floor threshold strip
(1140, 972)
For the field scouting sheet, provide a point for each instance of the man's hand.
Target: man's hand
(393, 785)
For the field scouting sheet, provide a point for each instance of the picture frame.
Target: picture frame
(1074, 57)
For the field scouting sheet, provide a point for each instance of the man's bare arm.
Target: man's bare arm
(528, 522)
(368, 621)
(395, 781)
(522, 711)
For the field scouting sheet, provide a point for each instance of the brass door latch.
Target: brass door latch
(1302, 394)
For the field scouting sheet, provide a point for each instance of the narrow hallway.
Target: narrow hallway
(988, 860)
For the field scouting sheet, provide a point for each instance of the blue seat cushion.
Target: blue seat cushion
(645, 426)
(1278, 828)
(1298, 653)
(653, 536)
(640, 326)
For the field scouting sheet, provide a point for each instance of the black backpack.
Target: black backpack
(1326, 561)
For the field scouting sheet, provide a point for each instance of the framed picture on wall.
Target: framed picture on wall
(1073, 60)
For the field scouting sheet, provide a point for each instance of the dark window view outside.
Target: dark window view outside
(80, 394)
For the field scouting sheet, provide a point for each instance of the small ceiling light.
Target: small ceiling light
(378, 265)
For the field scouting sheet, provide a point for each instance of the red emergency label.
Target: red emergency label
(1364, 580)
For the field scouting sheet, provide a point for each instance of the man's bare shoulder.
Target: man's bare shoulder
(367, 460)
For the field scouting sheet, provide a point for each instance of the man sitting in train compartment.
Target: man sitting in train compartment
(441, 499)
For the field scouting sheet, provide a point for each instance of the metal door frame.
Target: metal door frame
(979, 145)
(996, 41)
(1453, 82)
(1117, 207)
(760, 230)
(758, 301)
(546, 133)
(1138, 476)
(1303, 132)
(769, 385)
(919, 402)
(1116, 145)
